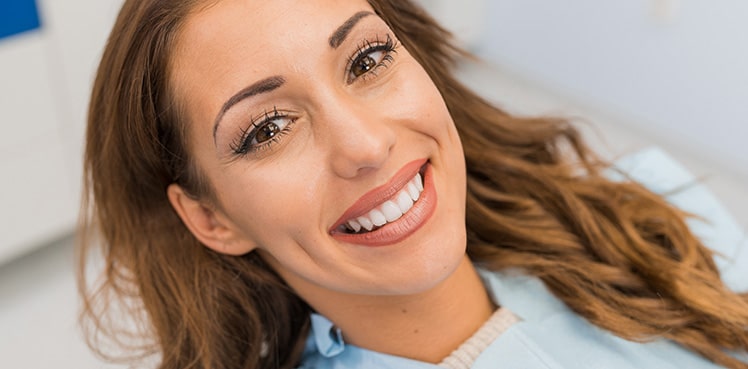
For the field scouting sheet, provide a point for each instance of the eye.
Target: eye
(370, 57)
(263, 132)
(367, 63)
(269, 130)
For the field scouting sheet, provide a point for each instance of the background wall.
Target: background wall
(48, 52)
(676, 69)
(46, 69)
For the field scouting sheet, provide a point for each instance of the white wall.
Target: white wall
(466, 19)
(45, 78)
(676, 69)
(38, 313)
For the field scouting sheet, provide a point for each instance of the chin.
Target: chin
(432, 267)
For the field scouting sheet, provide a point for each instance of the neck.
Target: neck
(426, 327)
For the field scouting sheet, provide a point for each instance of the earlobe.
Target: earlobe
(208, 225)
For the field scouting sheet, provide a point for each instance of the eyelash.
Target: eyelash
(243, 146)
(366, 48)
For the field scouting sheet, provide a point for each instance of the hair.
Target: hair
(615, 253)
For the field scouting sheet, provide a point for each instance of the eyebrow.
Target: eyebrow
(273, 83)
(342, 32)
(266, 85)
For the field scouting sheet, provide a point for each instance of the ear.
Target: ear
(210, 226)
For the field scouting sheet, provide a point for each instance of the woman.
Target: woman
(284, 184)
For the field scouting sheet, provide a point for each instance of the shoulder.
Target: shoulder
(712, 223)
(551, 336)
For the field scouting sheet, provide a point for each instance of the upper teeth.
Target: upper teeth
(391, 210)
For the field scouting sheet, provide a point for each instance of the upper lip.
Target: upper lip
(382, 193)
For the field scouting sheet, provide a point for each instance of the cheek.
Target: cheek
(417, 99)
(274, 203)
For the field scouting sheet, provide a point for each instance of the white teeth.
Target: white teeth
(366, 223)
(404, 201)
(413, 191)
(391, 211)
(377, 217)
(355, 226)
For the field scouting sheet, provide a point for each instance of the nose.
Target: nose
(360, 139)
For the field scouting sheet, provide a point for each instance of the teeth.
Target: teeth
(354, 225)
(413, 191)
(366, 223)
(377, 217)
(404, 201)
(391, 210)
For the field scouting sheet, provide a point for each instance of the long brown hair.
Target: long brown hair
(615, 253)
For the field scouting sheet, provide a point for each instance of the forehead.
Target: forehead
(276, 19)
(224, 46)
(260, 28)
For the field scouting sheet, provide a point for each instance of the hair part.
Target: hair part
(615, 253)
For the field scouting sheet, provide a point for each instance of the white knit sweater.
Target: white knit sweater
(464, 356)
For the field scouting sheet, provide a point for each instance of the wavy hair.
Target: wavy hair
(615, 253)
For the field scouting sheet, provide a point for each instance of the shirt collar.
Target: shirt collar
(327, 337)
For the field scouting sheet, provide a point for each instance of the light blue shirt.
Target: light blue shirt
(550, 335)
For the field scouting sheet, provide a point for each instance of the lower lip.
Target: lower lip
(409, 223)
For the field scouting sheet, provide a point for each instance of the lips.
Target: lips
(391, 212)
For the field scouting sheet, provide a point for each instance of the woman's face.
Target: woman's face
(307, 114)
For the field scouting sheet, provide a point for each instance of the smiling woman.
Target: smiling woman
(284, 184)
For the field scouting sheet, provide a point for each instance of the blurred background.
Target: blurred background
(668, 73)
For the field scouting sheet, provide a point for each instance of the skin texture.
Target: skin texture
(344, 135)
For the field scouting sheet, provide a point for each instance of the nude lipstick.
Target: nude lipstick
(391, 212)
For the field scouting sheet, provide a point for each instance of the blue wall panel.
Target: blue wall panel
(17, 16)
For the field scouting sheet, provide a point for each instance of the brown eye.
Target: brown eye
(369, 61)
(267, 132)
(363, 65)
(370, 57)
